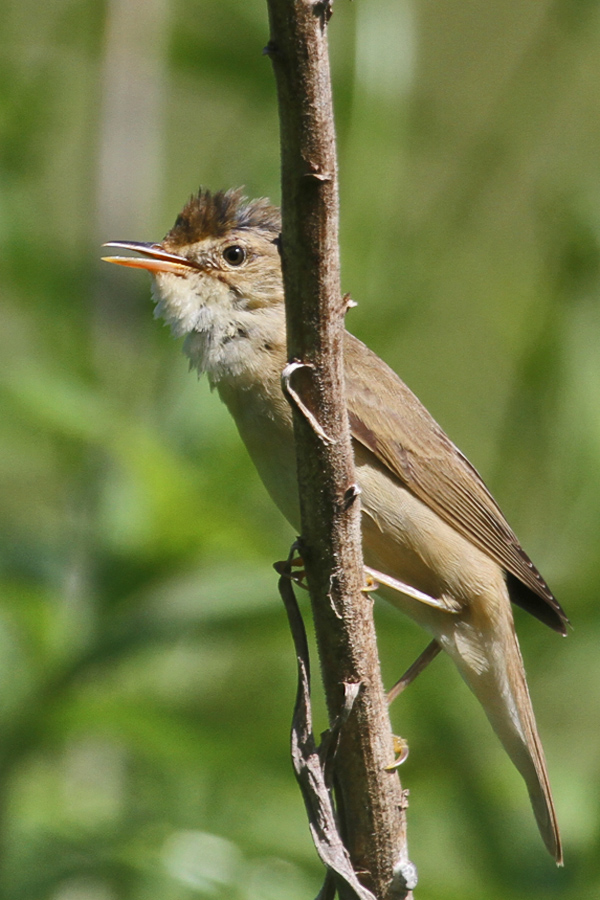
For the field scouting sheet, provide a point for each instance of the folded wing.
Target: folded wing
(394, 425)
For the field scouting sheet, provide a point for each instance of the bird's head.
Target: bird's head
(217, 273)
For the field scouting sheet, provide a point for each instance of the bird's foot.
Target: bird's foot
(370, 584)
(401, 751)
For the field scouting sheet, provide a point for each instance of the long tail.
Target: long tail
(492, 666)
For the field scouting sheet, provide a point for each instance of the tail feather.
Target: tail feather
(532, 766)
(490, 662)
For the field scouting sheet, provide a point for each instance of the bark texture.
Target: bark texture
(372, 804)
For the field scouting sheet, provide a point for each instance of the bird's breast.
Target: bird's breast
(264, 421)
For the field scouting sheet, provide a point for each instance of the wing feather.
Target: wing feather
(393, 424)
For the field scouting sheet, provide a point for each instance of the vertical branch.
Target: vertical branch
(371, 797)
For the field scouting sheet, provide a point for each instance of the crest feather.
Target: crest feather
(215, 215)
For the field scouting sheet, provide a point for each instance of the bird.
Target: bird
(442, 550)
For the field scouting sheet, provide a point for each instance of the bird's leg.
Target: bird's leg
(446, 603)
(430, 652)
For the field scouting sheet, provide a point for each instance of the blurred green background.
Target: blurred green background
(146, 671)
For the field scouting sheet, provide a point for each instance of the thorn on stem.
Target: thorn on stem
(350, 496)
(298, 397)
(317, 173)
(324, 9)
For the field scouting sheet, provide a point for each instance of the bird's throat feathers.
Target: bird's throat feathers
(225, 340)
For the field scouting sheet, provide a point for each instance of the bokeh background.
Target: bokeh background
(146, 671)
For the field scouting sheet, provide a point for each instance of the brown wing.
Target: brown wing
(390, 421)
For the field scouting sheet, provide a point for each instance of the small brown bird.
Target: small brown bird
(428, 521)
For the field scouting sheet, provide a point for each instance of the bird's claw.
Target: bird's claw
(370, 584)
(401, 751)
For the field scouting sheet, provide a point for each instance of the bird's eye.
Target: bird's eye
(234, 255)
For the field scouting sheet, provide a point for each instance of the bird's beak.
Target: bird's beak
(154, 258)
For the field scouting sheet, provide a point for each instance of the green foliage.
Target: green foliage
(146, 673)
